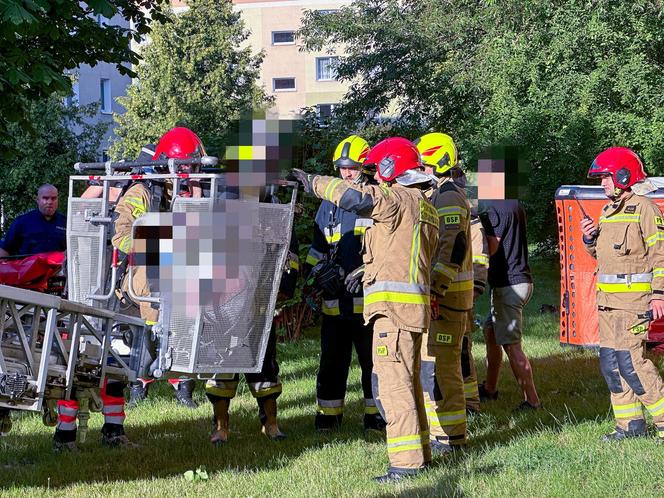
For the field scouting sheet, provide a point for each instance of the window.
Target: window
(283, 84)
(104, 155)
(324, 12)
(283, 38)
(105, 95)
(325, 110)
(72, 98)
(325, 68)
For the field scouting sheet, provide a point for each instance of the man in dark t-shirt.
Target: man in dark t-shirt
(41, 230)
(511, 283)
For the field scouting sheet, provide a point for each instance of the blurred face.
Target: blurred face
(608, 185)
(47, 201)
(490, 185)
(428, 169)
(349, 174)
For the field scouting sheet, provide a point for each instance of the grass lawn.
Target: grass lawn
(552, 452)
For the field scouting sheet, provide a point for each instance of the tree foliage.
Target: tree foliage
(47, 153)
(194, 73)
(561, 79)
(41, 39)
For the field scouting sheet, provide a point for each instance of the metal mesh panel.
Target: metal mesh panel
(231, 335)
(84, 244)
(234, 335)
(187, 205)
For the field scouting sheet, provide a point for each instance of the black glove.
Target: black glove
(354, 280)
(306, 179)
(328, 277)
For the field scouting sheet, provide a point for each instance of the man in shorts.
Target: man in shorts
(511, 288)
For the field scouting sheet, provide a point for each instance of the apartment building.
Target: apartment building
(101, 83)
(296, 79)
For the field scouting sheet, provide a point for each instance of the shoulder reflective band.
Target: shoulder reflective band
(396, 292)
(621, 218)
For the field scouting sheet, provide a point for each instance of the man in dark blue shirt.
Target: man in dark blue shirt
(40, 230)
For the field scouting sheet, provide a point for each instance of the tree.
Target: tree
(562, 80)
(193, 74)
(47, 153)
(41, 39)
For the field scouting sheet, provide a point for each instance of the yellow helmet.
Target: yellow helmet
(351, 152)
(438, 151)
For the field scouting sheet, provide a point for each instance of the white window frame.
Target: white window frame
(283, 43)
(332, 59)
(332, 107)
(105, 96)
(294, 89)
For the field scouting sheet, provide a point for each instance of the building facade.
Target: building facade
(295, 79)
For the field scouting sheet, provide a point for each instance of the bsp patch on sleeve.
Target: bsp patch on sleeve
(630, 209)
(381, 351)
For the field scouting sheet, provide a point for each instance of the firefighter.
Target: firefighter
(480, 251)
(451, 294)
(264, 386)
(396, 277)
(628, 244)
(141, 197)
(337, 242)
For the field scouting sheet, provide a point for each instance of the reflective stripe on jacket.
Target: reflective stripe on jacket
(630, 253)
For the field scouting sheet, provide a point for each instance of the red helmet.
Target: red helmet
(179, 143)
(623, 164)
(393, 157)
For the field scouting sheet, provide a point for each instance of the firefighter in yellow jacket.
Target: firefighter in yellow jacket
(396, 279)
(629, 247)
(452, 292)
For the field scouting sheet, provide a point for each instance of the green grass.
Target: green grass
(553, 452)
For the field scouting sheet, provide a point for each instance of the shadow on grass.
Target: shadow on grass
(573, 392)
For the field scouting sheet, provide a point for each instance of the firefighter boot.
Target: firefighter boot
(220, 430)
(113, 436)
(374, 422)
(64, 441)
(138, 391)
(635, 428)
(267, 413)
(396, 476)
(5, 421)
(183, 392)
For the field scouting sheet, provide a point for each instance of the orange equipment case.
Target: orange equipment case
(578, 308)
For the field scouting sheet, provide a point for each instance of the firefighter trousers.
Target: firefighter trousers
(633, 380)
(149, 311)
(262, 385)
(338, 335)
(442, 379)
(398, 394)
(470, 389)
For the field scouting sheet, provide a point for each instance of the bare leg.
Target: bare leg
(494, 359)
(522, 371)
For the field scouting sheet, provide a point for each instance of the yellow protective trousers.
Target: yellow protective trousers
(633, 380)
(398, 394)
(442, 379)
(470, 389)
